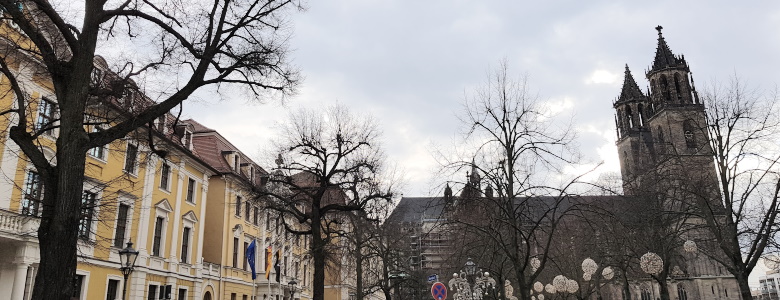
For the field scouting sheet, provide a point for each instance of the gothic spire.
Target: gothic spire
(631, 90)
(664, 57)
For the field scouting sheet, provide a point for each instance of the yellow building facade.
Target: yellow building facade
(129, 194)
(235, 220)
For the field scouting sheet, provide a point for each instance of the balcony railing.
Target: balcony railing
(17, 224)
(211, 269)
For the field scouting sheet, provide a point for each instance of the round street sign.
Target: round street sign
(439, 291)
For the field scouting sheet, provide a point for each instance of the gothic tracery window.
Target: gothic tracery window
(665, 88)
(681, 293)
(677, 87)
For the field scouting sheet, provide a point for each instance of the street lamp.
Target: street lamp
(292, 289)
(470, 267)
(127, 257)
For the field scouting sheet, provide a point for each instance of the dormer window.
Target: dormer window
(187, 139)
(236, 162)
(159, 124)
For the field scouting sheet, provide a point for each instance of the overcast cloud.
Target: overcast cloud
(408, 63)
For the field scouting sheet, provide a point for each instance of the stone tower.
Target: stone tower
(663, 133)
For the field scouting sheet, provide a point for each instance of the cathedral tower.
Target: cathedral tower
(664, 131)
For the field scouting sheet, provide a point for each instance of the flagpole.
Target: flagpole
(254, 295)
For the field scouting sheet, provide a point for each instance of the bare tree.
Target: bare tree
(740, 206)
(219, 43)
(331, 163)
(518, 150)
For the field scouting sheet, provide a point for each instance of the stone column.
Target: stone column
(20, 279)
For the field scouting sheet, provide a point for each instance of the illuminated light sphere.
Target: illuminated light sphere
(550, 289)
(535, 264)
(538, 287)
(589, 266)
(651, 263)
(572, 286)
(690, 246)
(533, 298)
(541, 297)
(608, 273)
(586, 277)
(560, 283)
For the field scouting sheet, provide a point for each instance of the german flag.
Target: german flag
(268, 262)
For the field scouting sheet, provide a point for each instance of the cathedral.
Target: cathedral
(666, 165)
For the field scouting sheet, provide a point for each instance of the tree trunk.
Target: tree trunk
(388, 295)
(664, 289)
(744, 288)
(358, 273)
(318, 254)
(626, 287)
(58, 233)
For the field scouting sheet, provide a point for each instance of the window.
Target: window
(130, 158)
(152, 292)
(235, 252)
(121, 225)
(33, 194)
(256, 216)
(160, 124)
(157, 241)
(681, 294)
(243, 297)
(191, 190)
(165, 176)
(646, 295)
(246, 245)
(232, 296)
(46, 116)
(238, 206)
(248, 213)
(182, 294)
(88, 200)
(187, 140)
(112, 289)
(98, 152)
(185, 244)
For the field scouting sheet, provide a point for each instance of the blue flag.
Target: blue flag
(250, 257)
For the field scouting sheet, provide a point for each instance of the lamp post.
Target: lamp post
(292, 289)
(127, 257)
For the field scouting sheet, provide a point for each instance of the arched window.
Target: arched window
(681, 293)
(677, 87)
(689, 132)
(665, 88)
(629, 117)
(646, 295)
(641, 114)
(207, 296)
(661, 140)
(653, 88)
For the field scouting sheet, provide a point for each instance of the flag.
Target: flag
(250, 257)
(268, 262)
(278, 266)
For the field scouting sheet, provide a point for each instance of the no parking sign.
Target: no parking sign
(439, 291)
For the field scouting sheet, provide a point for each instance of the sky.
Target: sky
(409, 63)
